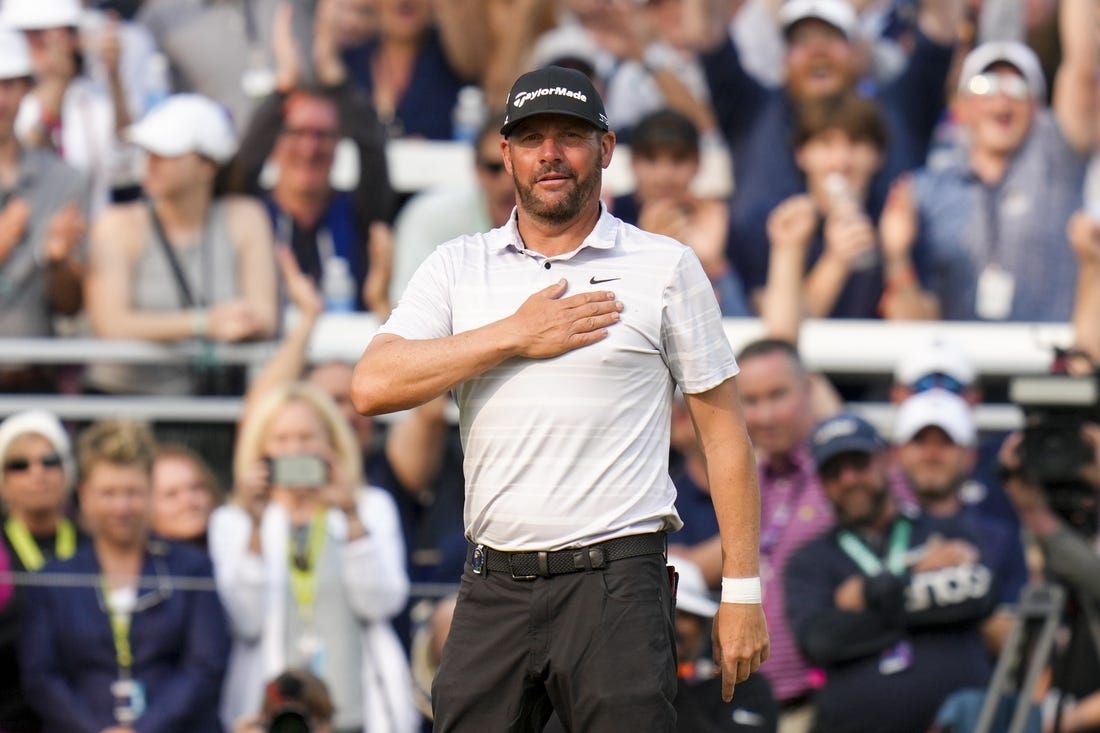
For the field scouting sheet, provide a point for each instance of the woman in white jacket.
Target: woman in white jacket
(310, 566)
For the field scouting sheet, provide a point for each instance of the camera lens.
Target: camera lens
(289, 721)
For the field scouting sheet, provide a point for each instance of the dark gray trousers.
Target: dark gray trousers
(597, 647)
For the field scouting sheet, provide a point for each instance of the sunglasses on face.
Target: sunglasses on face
(941, 381)
(18, 465)
(990, 84)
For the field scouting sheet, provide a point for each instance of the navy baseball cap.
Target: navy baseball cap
(554, 90)
(845, 433)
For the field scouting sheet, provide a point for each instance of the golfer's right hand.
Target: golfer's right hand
(549, 324)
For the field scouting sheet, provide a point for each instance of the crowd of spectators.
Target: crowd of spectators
(190, 171)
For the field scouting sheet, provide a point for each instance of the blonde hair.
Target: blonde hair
(253, 432)
(124, 442)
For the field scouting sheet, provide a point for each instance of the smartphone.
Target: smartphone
(298, 471)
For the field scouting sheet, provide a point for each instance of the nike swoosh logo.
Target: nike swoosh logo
(596, 281)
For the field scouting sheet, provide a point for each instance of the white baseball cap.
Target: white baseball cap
(46, 424)
(15, 57)
(186, 123)
(936, 355)
(32, 15)
(1014, 54)
(935, 408)
(691, 590)
(836, 13)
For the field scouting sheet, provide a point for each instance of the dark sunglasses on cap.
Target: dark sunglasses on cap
(940, 381)
(18, 465)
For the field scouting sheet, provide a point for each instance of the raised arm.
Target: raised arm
(790, 227)
(1084, 236)
(939, 20)
(1075, 84)
(395, 373)
(740, 632)
(463, 30)
(903, 295)
(288, 362)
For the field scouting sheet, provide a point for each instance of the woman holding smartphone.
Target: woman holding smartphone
(310, 565)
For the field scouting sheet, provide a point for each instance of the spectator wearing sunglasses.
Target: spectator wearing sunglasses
(132, 636)
(441, 214)
(38, 473)
(992, 218)
(315, 154)
(939, 362)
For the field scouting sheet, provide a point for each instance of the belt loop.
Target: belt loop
(544, 564)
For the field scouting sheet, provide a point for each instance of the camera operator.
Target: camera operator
(294, 702)
(1069, 543)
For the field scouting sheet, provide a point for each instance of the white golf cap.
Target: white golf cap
(836, 13)
(935, 355)
(1013, 53)
(32, 15)
(691, 590)
(15, 57)
(935, 408)
(186, 123)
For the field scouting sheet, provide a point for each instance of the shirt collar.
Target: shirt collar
(798, 461)
(603, 236)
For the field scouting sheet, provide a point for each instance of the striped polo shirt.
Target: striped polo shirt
(572, 450)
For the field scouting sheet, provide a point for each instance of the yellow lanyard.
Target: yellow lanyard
(27, 549)
(120, 629)
(303, 580)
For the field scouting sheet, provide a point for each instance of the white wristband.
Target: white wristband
(741, 590)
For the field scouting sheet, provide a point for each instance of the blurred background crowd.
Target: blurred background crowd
(210, 172)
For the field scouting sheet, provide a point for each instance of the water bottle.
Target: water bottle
(842, 202)
(338, 286)
(157, 85)
(469, 114)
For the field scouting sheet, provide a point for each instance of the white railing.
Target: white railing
(841, 347)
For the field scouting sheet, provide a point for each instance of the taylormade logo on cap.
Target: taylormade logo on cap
(522, 97)
(554, 90)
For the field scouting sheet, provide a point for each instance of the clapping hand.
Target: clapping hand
(65, 230)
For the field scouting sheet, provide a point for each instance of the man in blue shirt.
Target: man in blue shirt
(888, 605)
(993, 215)
(935, 438)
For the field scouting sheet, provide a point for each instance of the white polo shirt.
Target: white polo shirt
(572, 450)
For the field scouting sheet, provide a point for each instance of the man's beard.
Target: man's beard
(874, 510)
(563, 210)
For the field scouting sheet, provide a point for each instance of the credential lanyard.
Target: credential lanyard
(27, 549)
(868, 561)
(303, 576)
(120, 630)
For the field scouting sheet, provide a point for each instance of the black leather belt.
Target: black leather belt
(531, 565)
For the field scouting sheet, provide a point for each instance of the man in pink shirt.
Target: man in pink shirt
(776, 398)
